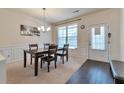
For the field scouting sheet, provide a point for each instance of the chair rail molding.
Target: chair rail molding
(13, 52)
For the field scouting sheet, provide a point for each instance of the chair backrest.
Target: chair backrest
(46, 45)
(33, 46)
(52, 50)
(65, 48)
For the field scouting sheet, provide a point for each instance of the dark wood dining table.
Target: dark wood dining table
(38, 53)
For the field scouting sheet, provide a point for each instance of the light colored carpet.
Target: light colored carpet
(17, 74)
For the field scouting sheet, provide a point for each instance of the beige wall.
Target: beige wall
(11, 42)
(110, 17)
(10, 29)
(10, 32)
(122, 34)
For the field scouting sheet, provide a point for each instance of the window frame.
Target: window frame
(58, 36)
(106, 38)
(66, 25)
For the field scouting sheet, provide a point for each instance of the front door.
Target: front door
(98, 42)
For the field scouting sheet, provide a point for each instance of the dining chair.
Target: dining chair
(51, 56)
(33, 47)
(63, 52)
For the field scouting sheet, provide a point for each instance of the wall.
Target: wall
(2, 70)
(108, 16)
(11, 42)
(122, 34)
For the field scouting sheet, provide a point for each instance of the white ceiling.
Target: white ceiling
(55, 14)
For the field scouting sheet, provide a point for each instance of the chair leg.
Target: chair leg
(56, 58)
(41, 64)
(63, 59)
(55, 63)
(48, 66)
(67, 58)
(31, 60)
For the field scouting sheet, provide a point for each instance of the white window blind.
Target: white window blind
(72, 36)
(61, 36)
(68, 34)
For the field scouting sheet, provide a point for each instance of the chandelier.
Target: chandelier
(44, 27)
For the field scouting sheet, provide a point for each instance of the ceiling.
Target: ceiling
(54, 15)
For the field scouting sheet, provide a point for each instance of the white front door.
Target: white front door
(98, 42)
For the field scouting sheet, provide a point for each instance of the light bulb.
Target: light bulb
(48, 28)
(39, 28)
(42, 28)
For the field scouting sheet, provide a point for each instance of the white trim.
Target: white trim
(13, 53)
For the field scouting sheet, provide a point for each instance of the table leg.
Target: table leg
(36, 65)
(25, 59)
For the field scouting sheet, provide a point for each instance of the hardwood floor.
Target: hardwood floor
(92, 72)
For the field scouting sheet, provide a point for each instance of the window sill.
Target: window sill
(97, 50)
(72, 48)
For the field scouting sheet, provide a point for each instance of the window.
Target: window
(98, 38)
(72, 36)
(68, 34)
(61, 36)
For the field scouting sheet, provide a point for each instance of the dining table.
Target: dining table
(37, 53)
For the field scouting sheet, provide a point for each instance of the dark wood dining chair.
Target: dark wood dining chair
(46, 46)
(33, 47)
(51, 56)
(63, 52)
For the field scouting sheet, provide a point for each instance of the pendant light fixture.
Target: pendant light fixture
(44, 27)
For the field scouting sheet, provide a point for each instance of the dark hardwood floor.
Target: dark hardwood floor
(92, 72)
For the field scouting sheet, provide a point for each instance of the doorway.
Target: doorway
(98, 42)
